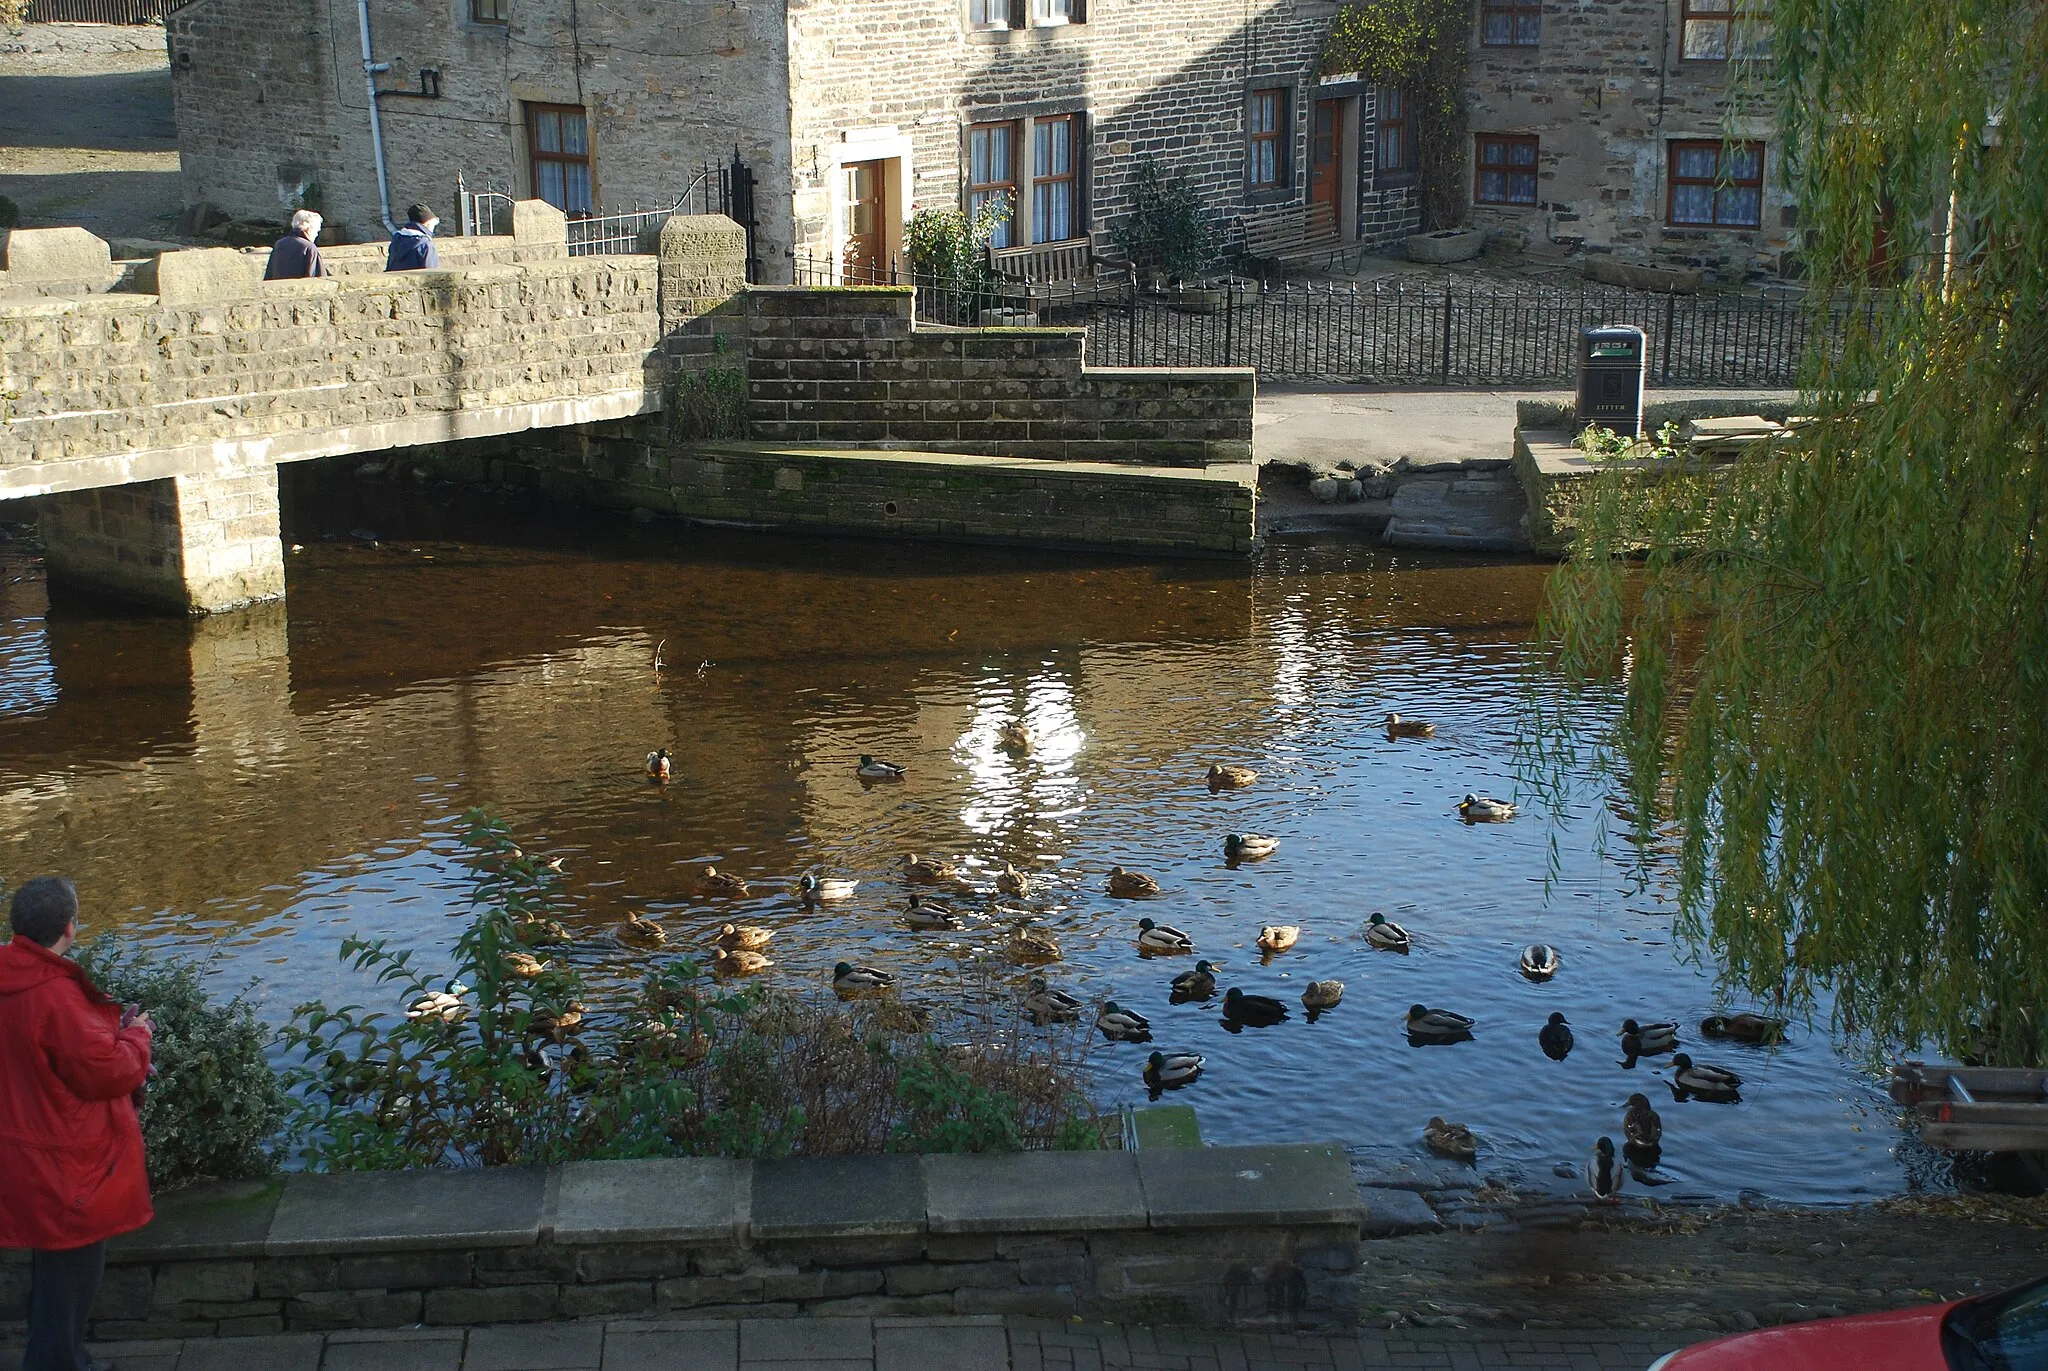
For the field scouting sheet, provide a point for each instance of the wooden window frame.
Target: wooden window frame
(1734, 18)
(1404, 122)
(1077, 212)
(536, 158)
(490, 11)
(1718, 183)
(1480, 166)
(1014, 129)
(1279, 138)
(1513, 12)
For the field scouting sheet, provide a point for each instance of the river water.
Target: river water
(258, 788)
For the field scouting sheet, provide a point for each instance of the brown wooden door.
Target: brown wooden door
(1326, 157)
(866, 258)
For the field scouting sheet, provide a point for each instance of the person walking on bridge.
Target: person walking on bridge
(412, 247)
(297, 254)
(72, 1064)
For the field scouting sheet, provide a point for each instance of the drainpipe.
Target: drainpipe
(371, 67)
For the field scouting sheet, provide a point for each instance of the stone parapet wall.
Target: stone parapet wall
(1241, 1237)
(847, 366)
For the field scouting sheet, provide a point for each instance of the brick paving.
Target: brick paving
(986, 1343)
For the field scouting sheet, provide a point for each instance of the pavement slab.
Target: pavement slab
(807, 1340)
(536, 1347)
(425, 1349)
(684, 1347)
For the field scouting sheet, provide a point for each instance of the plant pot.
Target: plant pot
(1007, 317)
(1213, 297)
(1446, 245)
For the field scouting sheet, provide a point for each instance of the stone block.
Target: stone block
(682, 1199)
(1038, 1301)
(538, 226)
(402, 1210)
(525, 1265)
(685, 1292)
(628, 1262)
(55, 254)
(960, 1247)
(497, 1304)
(201, 276)
(606, 1299)
(354, 1309)
(295, 1275)
(191, 1282)
(929, 1278)
(1241, 1186)
(838, 1197)
(125, 1292)
(1034, 1192)
(403, 1271)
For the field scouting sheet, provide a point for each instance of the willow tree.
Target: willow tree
(1834, 653)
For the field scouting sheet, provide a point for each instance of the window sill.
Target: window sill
(1702, 230)
(1504, 204)
(1036, 33)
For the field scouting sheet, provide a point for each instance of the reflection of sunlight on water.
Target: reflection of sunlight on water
(28, 681)
(1030, 796)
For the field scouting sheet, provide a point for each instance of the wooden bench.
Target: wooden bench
(1293, 237)
(1053, 273)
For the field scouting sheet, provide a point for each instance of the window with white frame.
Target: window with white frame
(1053, 179)
(988, 14)
(1035, 171)
(992, 179)
(1051, 13)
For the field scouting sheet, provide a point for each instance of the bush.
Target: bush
(213, 1108)
(1167, 230)
(708, 405)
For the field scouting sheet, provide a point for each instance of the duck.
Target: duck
(1388, 937)
(1483, 809)
(851, 980)
(739, 962)
(928, 870)
(1278, 938)
(556, 1024)
(1437, 1025)
(1223, 777)
(1011, 881)
(1198, 984)
(640, 931)
(1255, 1011)
(929, 916)
(1603, 1173)
(1123, 1025)
(1016, 738)
(1539, 961)
(1161, 941)
(1398, 727)
(540, 931)
(1555, 1038)
(1647, 1039)
(1045, 1005)
(744, 937)
(554, 866)
(712, 881)
(871, 770)
(441, 1006)
(812, 888)
(1317, 996)
(1453, 1140)
(1700, 1078)
(1028, 944)
(1249, 847)
(658, 768)
(1131, 885)
(1640, 1124)
(523, 964)
(1171, 1070)
(1757, 1029)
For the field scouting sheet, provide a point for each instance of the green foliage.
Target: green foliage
(213, 1109)
(946, 243)
(707, 405)
(1420, 46)
(949, 1112)
(1601, 443)
(1836, 650)
(1167, 230)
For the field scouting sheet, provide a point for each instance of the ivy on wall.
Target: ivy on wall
(1420, 46)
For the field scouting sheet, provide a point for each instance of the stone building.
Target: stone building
(850, 113)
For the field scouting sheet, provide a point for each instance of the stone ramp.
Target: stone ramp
(1459, 509)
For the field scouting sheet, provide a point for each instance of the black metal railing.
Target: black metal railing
(1392, 333)
(96, 11)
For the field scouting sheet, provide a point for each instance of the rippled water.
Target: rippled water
(261, 788)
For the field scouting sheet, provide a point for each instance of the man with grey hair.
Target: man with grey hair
(296, 255)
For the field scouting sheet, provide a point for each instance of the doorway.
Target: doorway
(864, 258)
(1326, 157)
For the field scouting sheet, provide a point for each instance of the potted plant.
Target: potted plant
(948, 254)
(1166, 235)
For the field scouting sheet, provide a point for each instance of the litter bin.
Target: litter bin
(1613, 360)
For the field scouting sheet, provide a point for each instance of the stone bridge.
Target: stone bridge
(147, 419)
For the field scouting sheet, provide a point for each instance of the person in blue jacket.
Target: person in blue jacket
(412, 247)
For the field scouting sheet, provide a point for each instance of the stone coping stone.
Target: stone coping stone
(680, 1199)
(1222, 473)
(838, 1197)
(219, 1219)
(1239, 1187)
(358, 1211)
(1033, 1192)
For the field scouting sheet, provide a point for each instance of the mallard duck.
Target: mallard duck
(1253, 1011)
(523, 964)
(1702, 1079)
(1223, 777)
(1648, 1039)
(1398, 727)
(1555, 1037)
(1249, 847)
(658, 769)
(929, 916)
(1011, 881)
(554, 866)
(1756, 1029)
(1123, 1025)
(1640, 1124)
(850, 980)
(1481, 809)
(1046, 1005)
(1161, 941)
(1131, 885)
(898, 1017)
(1437, 1025)
(1278, 938)
(928, 870)
(1028, 944)
(1603, 1173)
(712, 881)
(1453, 1140)
(1539, 961)
(1317, 996)
(1015, 738)
(539, 931)
(872, 770)
(640, 931)
(1198, 984)
(441, 1006)
(739, 962)
(556, 1024)
(812, 888)
(1387, 937)
(744, 937)
(1171, 1070)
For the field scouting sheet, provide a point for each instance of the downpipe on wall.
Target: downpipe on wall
(371, 68)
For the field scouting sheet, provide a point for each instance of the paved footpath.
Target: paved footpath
(986, 1343)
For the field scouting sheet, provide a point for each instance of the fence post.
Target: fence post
(1131, 327)
(1448, 290)
(1670, 324)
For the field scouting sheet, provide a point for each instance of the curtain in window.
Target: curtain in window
(1052, 191)
(991, 177)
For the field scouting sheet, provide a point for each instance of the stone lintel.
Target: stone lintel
(363, 1211)
(1237, 1187)
(1033, 1192)
(681, 1199)
(838, 1197)
(201, 1222)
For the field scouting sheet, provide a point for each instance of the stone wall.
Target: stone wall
(189, 544)
(847, 367)
(1235, 1236)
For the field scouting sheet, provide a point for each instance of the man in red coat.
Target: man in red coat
(71, 1169)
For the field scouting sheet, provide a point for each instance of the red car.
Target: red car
(2003, 1332)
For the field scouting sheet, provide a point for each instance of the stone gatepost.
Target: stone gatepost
(703, 282)
(190, 544)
